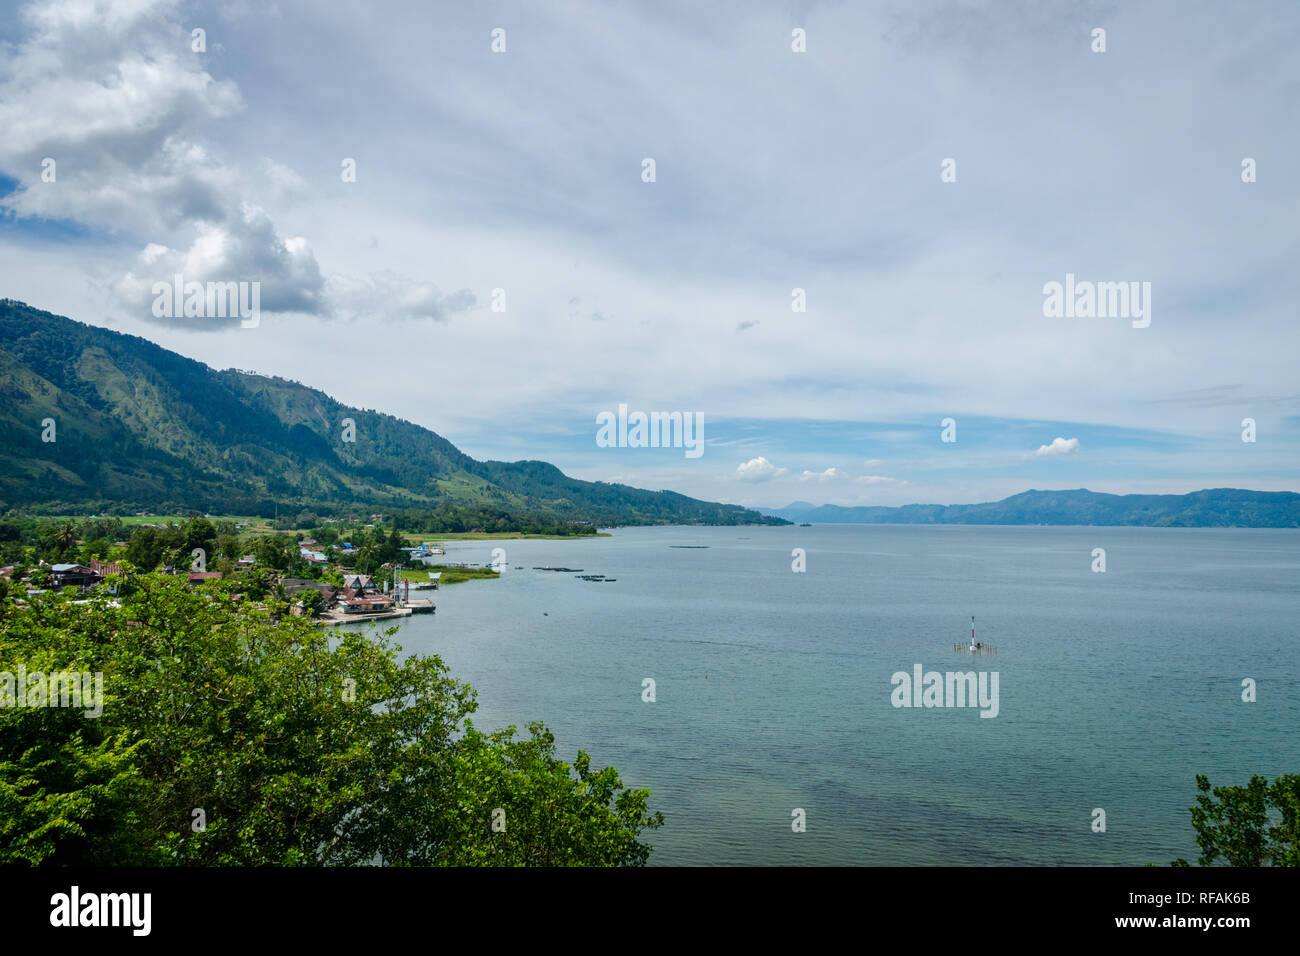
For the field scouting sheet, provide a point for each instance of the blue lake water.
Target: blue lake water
(773, 688)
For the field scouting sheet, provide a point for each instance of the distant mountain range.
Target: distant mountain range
(1212, 508)
(138, 427)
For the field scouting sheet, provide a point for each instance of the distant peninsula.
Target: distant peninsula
(1211, 508)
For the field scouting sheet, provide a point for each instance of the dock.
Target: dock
(417, 606)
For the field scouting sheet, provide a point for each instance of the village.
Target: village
(338, 582)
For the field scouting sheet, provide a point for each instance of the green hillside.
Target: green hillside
(142, 428)
(1211, 508)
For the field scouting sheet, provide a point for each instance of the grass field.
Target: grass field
(451, 575)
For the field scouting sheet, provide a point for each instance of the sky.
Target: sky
(502, 268)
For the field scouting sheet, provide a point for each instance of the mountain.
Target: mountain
(796, 507)
(1212, 508)
(136, 427)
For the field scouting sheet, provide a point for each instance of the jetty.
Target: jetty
(414, 606)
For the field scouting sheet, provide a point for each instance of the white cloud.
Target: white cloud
(873, 463)
(829, 474)
(878, 480)
(1059, 446)
(758, 469)
(246, 250)
(388, 295)
(113, 93)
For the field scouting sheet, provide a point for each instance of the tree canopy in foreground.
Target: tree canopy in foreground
(1254, 825)
(235, 735)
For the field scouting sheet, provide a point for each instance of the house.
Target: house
(247, 561)
(366, 603)
(105, 568)
(315, 557)
(198, 577)
(295, 586)
(72, 575)
(360, 596)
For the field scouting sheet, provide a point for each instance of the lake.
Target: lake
(773, 688)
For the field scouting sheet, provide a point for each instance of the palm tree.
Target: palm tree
(64, 537)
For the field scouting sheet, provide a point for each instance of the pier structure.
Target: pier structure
(974, 647)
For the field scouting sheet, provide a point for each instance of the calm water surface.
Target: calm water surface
(773, 688)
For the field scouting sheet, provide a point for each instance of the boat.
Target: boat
(425, 553)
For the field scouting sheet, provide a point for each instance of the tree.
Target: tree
(65, 536)
(522, 806)
(1236, 824)
(144, 548)
(98, 548)
(313, 602)
(229, 546)
(199, 533)
(297, 748)
(274, 551)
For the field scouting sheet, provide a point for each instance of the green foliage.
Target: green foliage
(300, 749)
(145, 548)
(548, 813)
(325, 536)
(313, 602)
(1254, 825)
(451, 575)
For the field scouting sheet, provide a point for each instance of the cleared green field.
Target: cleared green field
(451, 575)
